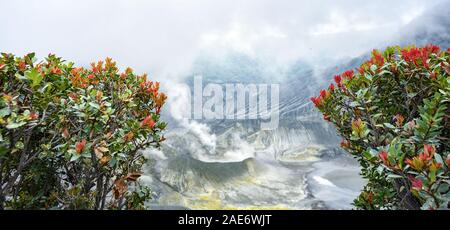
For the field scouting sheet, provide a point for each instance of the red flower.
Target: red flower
(79, 146)
(430, 48)
(384, 157)
(414, 55)
(428, 152)
(2, 66)
(361, 70)
(448, 160)
(348, 74)
(323, 93)
(22, 65)
(338, 80)
(326, 117)
(331, 87)
(316, 100)
(433, 75)
(416, 183)
(33, 116)
(377, 59)
(148, 122)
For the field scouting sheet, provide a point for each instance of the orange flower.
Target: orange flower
(55, 70)
(22, 66)
(345, 144)
(416, 163)
(99, 95)
(377, 58)
(448, 161)
(159, 101)
(148, 122)
(399, 119)
(357, 125)
(79, 146)
(129, 136)
(65, 133)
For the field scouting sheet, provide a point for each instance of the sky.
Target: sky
(164, 37)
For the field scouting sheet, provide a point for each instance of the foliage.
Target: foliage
(393, 114)
(70, 136)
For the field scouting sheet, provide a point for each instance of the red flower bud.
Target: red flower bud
(323, 93)
(79, 146)
(348, 74)
(384, 157)
(316, 100)
(416, 183)
(331, 87)
(33, 116)
(338, 80)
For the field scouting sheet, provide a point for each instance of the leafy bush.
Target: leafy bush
(393, 114)
(70, 136)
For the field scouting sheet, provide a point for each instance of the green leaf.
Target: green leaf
(373, 68)
(393, 176)
(34, 76)
(75, 157)
(94, 105)
(5, 112)
(388, 125)
(439, 159)
(3, 151)
(367, 155)
(444, 187)
(15, 125)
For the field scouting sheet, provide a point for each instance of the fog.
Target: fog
(163, 38)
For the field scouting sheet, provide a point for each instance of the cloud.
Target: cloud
(165, 37)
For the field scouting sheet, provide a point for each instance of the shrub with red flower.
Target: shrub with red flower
(71, 136)
(393, 114)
